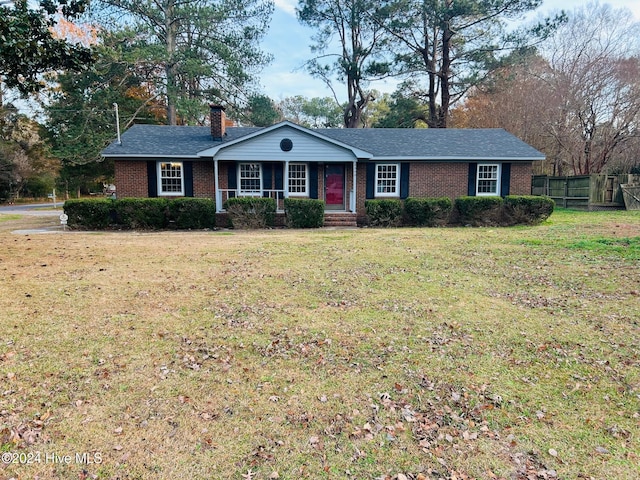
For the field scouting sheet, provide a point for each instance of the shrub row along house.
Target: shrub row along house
(342, 167)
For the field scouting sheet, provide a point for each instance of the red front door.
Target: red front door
(334, 187)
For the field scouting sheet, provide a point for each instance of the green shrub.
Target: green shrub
(384, 213)
(527, 209)
(251, 212)
(92, 214)
(142, 213)
(191, 213)
(479, 211)
(304, 213)
(427, 212)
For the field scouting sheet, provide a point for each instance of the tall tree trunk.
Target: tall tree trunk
(429, 57)
(171, 28)
(445, 75)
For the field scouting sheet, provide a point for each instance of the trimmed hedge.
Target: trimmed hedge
(304, 213)
(384, 213)
(527, 209)
(479, 211)
(141, 213)
(94, 214)
(251, 212)
(427, 212)
(192, 213)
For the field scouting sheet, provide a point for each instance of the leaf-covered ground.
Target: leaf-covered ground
(365, 354)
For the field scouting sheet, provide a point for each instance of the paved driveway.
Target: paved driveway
(37, 209)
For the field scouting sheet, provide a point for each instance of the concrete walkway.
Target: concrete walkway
(35, 210)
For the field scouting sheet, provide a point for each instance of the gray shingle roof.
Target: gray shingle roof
(168, 141)
(428, 144)
(436, 143)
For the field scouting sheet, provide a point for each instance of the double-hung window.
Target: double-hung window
(170, 178)
(387, 180)
(250, 179)
(488, 179)
(297, 179)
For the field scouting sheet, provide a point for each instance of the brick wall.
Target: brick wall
(445, 180)
(426, 179)
(521, 179)
(438, 179)
(131, 179)
(203, 180)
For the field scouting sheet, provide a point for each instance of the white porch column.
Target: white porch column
(216, 182)
(355, 182)
(285, 179)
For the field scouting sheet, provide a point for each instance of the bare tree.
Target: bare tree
(594, 73)
(578, 100)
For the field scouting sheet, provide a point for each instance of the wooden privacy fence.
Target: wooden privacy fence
(583, 192)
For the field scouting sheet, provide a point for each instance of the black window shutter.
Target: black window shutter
(267, 176)
(313, 180)
(404, 180)
(505, 179)
(371, 181)
(232, 176)
(152, 179)
(473, 171)
(188, 178)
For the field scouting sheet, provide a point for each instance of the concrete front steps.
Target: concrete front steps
(340, 219)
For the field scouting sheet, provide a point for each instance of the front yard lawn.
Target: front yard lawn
(371, 353)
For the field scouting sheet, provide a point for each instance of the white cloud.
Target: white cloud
(288, 6)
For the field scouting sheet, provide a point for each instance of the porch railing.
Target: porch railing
(225, 194)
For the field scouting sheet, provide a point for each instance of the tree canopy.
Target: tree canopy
(28, 47)
(358, 58)
(451, 46)
(205, 50)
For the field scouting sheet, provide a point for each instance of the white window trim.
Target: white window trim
(498, 179)
(249, 193)
(306, 180)
(396, 193)
(161, 193)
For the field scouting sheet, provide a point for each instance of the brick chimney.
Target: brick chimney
(218, 121)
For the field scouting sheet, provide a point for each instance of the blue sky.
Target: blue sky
(288, 42)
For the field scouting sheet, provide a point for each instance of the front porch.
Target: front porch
(332, 182)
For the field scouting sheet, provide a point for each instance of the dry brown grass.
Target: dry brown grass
(431, 353)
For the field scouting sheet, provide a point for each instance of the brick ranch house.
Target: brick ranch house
(343, 167)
